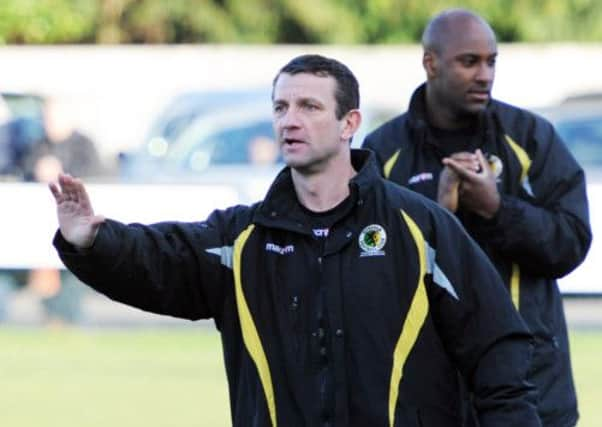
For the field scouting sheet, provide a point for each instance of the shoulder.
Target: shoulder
(233, 220)
(521, 124)
(387, 139)
(424, 212)
(387, 133)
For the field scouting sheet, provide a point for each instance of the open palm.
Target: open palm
(77, 221)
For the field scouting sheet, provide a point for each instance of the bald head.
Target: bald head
(459, 58)
(450, 25)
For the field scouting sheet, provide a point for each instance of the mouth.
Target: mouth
(292, 141)
(481, 96)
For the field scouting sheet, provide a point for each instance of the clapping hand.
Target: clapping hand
(477, 190)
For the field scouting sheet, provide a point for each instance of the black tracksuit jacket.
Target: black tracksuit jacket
(540, 233)
(363, 328)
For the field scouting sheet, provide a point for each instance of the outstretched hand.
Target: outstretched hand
(77, 221)
(478, 188)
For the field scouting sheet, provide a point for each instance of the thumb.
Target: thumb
(483, 163)
(97, 220)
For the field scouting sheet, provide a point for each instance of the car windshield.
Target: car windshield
(247, 144)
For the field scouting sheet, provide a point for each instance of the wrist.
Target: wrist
(492, 208)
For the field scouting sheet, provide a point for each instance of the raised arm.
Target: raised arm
(175, 268)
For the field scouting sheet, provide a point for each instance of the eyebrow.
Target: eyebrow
(475, 54)
(303, 100)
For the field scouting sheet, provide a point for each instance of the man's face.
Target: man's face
(305, 123)
(464, 70)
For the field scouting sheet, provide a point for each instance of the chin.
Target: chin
(474, 109)
(293, 162)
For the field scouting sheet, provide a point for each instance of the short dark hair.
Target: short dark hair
(347, 93)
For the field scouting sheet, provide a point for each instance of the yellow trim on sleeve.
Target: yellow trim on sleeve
(390, 163)
(413, 322)
(515, 285)
(249, 330)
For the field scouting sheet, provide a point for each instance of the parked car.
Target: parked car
(24, 105)
(578, 120)
(233, 145)
(214, 149)
(187, 107)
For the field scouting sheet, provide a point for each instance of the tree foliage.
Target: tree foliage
(283, 21)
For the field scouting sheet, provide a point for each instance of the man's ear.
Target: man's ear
(350, 124)
(429, 63)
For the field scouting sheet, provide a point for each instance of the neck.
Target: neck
(442, 117)
(324, 190)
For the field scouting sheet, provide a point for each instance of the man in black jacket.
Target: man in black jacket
(342, 299)
(508, 178)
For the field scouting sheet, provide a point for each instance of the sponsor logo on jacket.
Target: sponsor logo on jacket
(495, 164)
(282, 250)
(321, 232)
(423, 176)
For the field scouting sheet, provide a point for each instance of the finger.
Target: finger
(459, 168)
(464, 156)
(98, 219)
(65, 183)
(468, 159)
(64, 179)
(80, 193)
(483, 163)
(468, 164)
(56, 192)
(72, 188)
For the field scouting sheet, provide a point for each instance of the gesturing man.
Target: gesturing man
(341, 298)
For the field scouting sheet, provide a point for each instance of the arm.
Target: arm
(480, 328)
(164, 268)
(547, 233)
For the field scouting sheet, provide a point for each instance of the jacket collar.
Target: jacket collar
(281, 209)
(419, 127)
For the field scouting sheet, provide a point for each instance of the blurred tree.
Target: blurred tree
(283, 21)
(48, 21)
(318, 21)
(109, 21)
(177, 21)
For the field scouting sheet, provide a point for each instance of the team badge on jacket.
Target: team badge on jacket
(495, 164)
(372, 239)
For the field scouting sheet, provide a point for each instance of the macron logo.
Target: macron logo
(321, 232)
(272, 247)
(424, 176)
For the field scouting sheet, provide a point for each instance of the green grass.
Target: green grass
(586, 351)
(159, 378)
(79, 378)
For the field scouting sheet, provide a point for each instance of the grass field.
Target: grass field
(159, 378)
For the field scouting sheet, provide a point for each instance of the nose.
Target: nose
(485, 72)
(289, 119)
